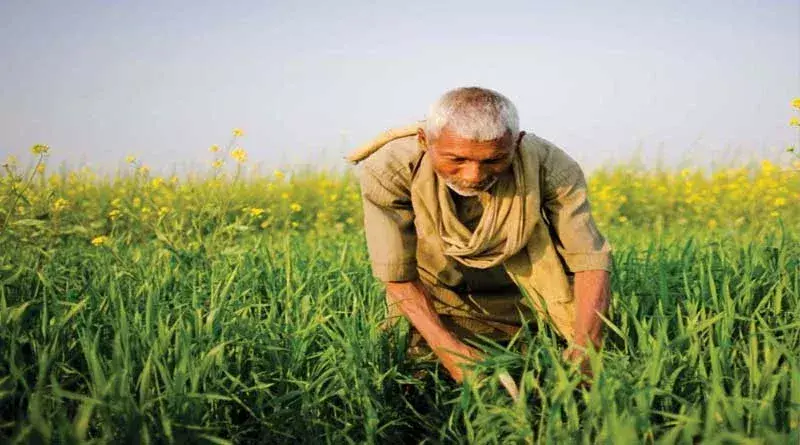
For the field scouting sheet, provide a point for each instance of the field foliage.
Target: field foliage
(233, 307)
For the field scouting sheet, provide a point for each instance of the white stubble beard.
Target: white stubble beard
(469, 192)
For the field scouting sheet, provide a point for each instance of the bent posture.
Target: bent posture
(475, 226)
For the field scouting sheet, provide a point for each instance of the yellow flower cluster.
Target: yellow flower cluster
(141, 205)
(729, 197)
(100, 240)
(60, 204)
(40, 149)
(620, 197)
(236, 152)
(239, 154)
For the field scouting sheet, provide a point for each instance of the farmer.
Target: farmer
(475, 227)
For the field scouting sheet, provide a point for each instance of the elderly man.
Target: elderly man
(475, 227)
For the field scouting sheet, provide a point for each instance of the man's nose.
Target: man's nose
(473, 173)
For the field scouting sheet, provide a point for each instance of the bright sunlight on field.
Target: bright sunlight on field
(233, 307)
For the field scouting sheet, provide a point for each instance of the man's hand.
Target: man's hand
(455, 356)
(592, 293)
(580, 359)
(413, 301)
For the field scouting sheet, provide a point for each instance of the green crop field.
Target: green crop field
(240, 308)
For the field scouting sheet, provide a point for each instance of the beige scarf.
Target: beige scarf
(503, 229)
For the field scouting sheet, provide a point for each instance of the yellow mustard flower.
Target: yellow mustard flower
(60, 204)
(256, 211)
(218, 163)
(144, 169)
(794, 121)
(278, 174)
(237, 132)
(130, 159)
(214, 148)
(100, 240)
(114, 214)
(163, 210)
(40, 149)
(295, 207)
(774, 214)
(796, 102)
(40, 168)
(239, 154)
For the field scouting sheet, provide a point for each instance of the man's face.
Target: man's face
(469, 167)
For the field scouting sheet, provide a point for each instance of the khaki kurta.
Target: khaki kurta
(472, 300)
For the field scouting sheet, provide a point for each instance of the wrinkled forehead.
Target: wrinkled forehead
(449, 144)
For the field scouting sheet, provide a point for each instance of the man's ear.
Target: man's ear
(422, 140)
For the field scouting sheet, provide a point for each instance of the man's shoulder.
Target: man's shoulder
(546, 153)
(398, 157)
(537, 144)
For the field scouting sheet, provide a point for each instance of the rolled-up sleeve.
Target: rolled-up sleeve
(389, 226)
(566, 206)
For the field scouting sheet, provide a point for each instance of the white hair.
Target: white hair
(473, 113)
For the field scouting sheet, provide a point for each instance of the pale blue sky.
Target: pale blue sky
(97, 80)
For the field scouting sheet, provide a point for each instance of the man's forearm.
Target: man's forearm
(413, 301)
(592, 293)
